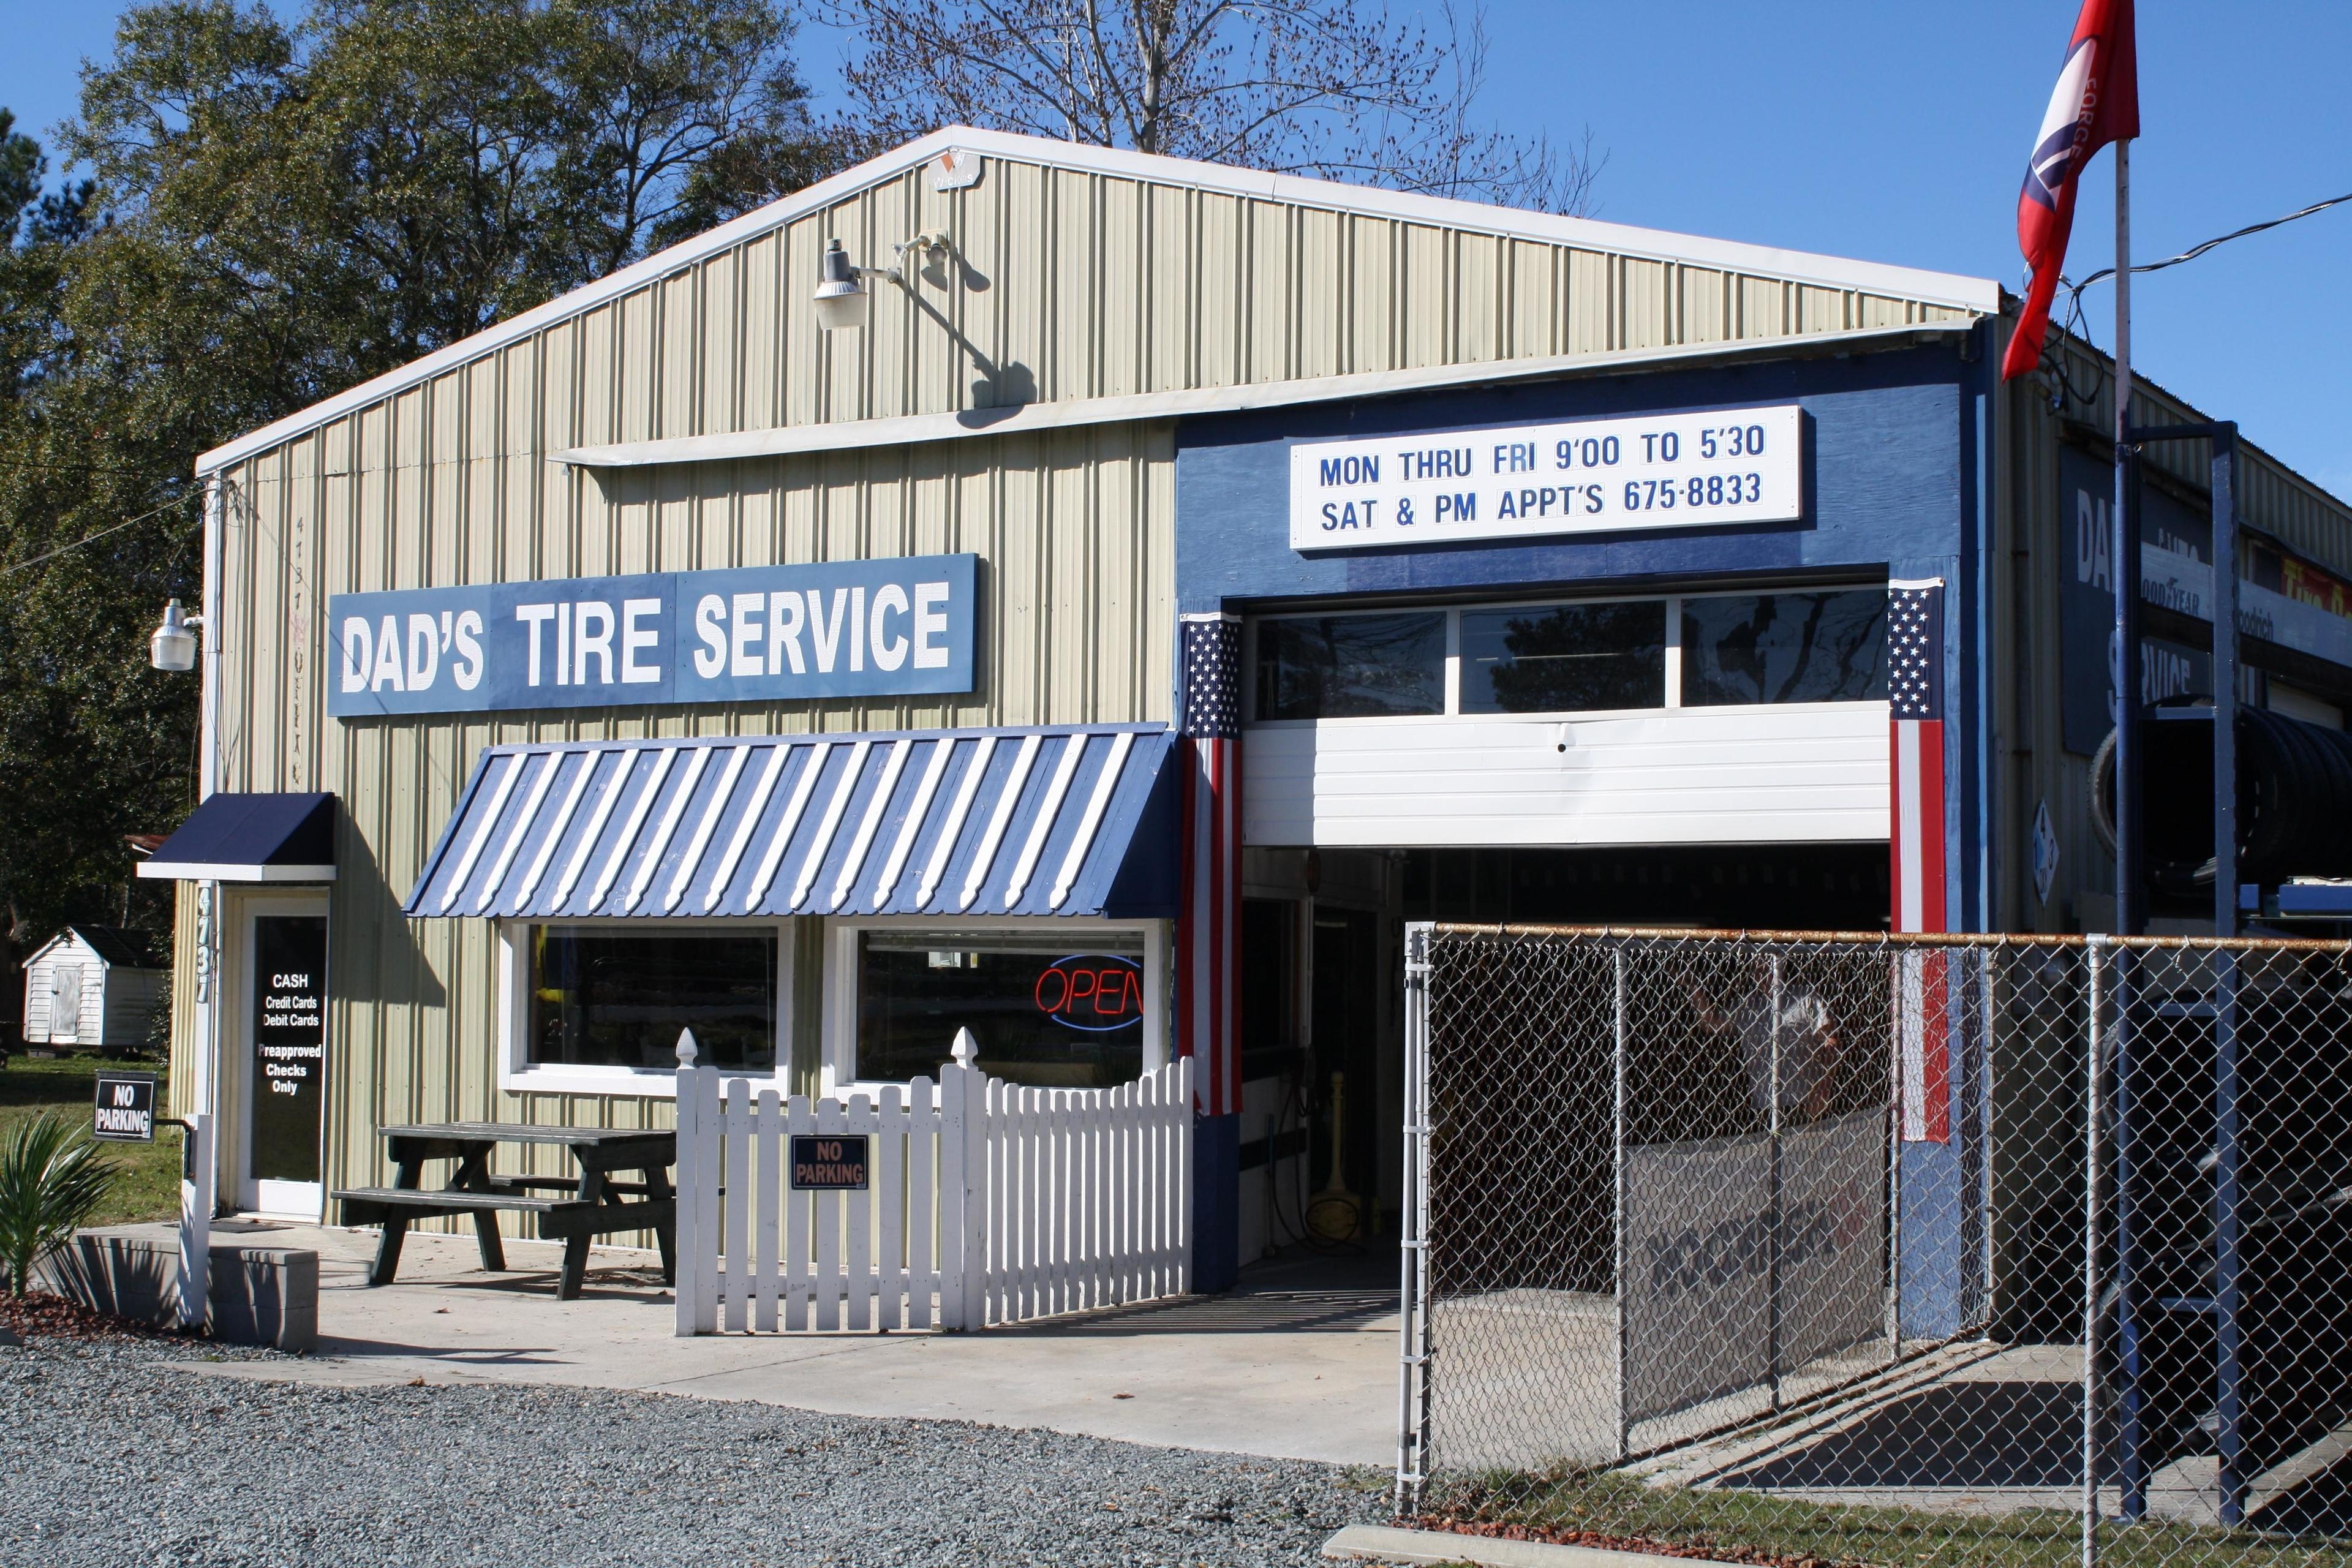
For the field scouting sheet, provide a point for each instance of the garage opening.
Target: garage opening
(1322, 1016)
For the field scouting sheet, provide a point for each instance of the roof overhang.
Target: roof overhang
(251, 838)
(1025, 417)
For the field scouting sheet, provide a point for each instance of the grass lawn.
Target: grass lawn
(149, 1185)
(1749, 1525)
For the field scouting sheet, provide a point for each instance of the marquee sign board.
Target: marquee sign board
(125, 1113)
(1588, 476)
(894, 628)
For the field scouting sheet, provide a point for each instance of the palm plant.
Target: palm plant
(51, 1181)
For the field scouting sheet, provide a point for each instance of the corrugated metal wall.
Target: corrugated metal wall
(1063, 285)
(1075, 529)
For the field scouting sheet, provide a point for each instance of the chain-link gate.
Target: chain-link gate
(1787, 1248)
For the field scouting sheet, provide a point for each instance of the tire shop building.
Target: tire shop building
(1097, 606)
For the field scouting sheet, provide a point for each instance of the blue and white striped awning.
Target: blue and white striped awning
(1067, 821)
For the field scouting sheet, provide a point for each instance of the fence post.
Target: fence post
(968, 1166)
(2094, 1047)
(195, 1221)
(687, 1248)
(1617, 1192)
(1412, 1223)
(1772, 1200)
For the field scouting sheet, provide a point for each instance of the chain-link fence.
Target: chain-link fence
(1801, 1248)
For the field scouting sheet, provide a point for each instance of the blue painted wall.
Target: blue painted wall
(1887, 477)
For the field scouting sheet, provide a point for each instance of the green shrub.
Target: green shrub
(52, 1180)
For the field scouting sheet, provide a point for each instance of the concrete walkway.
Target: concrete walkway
(1300, 1362)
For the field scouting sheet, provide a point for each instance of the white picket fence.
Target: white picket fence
(997, 1202)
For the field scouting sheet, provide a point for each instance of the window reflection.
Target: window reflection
(1351, 666)
(1563, 659)
(1060, 1009)
(1785, 648)
(601, 998)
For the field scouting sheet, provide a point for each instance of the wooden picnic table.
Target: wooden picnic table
(592, 1205)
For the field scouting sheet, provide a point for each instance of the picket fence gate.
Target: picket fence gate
(999, 1202)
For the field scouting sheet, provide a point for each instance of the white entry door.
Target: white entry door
(65, 1004)
(281, 1022)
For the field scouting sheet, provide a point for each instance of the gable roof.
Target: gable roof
(116, 946)
(1980, 296)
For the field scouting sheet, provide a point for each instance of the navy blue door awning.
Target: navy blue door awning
(251, 838)
(1076, 820)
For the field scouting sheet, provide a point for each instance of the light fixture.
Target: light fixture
(842, 299)
(173, 646)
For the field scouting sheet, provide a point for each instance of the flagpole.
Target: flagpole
(2125, 564)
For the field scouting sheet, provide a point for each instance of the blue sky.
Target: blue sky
(1894, 132)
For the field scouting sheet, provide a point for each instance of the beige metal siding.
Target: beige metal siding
(1075, 529)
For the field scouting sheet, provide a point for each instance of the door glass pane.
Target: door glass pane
(1564, 658)
(1351, 666)
(289, 1045)
(1785, 648)
(1063, 1010)
(601, 998)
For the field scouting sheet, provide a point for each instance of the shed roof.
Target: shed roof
(117, 947)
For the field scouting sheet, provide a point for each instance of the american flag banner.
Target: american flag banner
(1915, 693)
(1208, 1005)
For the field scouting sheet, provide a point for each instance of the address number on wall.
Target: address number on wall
(1588, 476)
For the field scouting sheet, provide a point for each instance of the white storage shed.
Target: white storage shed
(94, 985)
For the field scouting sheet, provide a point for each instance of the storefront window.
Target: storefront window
(1058, 1009)
(1351, 666)
(612, 998)
(1785, 648)
(1566, 658)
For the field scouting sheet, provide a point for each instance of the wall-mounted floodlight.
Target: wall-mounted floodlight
(173, 646)
(842, 299)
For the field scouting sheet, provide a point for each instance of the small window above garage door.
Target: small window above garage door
(1736, 716)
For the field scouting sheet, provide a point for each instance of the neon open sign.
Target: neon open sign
(1091, 991)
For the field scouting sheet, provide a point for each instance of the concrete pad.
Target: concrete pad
(1296, 1364)
(1385, 1544)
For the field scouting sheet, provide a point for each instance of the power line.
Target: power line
(13, 567)
(2194, 251)
(2072, 322)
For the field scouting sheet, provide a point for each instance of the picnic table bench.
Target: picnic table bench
(591, 1204)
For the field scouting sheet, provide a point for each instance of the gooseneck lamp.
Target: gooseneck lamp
(842, 297)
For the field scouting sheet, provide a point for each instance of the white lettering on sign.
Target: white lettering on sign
(1591, 475)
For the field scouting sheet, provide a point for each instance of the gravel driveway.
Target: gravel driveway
(109, 1453)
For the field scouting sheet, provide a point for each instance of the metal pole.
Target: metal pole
(2094, 1047)
(1617, 1203)
(1772, 1198)
(2132, 1473)
(2125, 564)
(1412, 1251)
(2229, 1408)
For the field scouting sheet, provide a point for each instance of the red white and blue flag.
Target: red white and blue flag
(1208, 1005)
(1915, 692)
(2096, 102)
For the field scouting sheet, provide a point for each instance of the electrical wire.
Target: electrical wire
(2072, 322)
(15, 566)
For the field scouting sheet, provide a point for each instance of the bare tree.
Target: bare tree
(1325, 87)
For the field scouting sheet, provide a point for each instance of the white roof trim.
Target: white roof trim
(851, 435)
(184, 871)
(1976, 294)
